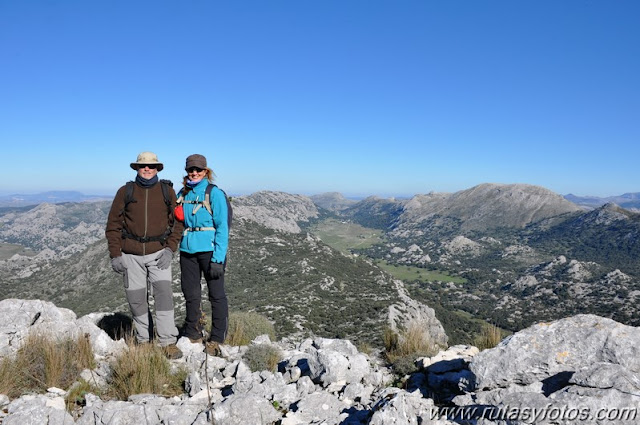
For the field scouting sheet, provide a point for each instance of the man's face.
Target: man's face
(147, 171)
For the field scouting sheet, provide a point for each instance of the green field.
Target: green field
(345, 236)
(416, 273)
(8, 250)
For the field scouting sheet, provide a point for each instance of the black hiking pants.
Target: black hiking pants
(192, 267)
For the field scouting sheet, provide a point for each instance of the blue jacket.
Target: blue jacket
(206, 240)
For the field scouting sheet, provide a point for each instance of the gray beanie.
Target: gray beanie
(196, 160)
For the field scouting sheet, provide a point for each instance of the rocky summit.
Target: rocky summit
(581, 369)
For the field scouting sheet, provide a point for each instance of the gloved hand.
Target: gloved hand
(164, 260)
(216, 270)
(117, 264)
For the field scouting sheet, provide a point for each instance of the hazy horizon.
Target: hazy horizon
(399, 195)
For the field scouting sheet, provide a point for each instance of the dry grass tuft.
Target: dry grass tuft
(490, 336)
(144, 369)
(43, 362)
(402, 349)
(412, 341)
(365, 348)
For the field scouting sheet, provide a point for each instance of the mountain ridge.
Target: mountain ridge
(322, 199)
(55, 197)
(492, 240)
(626, 200)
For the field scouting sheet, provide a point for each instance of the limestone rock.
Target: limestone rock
(545, 350)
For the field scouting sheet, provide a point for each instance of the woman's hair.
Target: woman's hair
(209, 176)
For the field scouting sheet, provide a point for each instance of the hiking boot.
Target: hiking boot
(212, 348)
(195, 340)
(172, 352)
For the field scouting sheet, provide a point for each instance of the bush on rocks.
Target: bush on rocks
(262, 357)
(245, 326)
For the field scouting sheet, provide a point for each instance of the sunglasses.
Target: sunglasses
(196, 169)
(149, 166)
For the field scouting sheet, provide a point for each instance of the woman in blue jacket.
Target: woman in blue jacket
(203, 251)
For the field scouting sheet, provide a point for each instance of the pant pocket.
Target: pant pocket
(125, 278)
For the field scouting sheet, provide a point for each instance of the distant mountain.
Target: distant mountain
(332, 201)
(375, 212)
(482, 207)
(609, 235)
(627, 200)
(526, 253)
(52, 197)
(61, 228)
(486, 206)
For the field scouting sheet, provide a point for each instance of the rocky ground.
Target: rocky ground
(581, 369)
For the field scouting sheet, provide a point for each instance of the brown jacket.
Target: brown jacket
(146, 217)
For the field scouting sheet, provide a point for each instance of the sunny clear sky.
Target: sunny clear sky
(361, 97)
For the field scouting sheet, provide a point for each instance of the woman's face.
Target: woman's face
(147, 171)
(195, 173)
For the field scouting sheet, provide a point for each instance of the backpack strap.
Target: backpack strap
(128, 196)
(197, 229)
(181, 194)
(207, 198)
(207, 201)
(165, 185)
(207, 204)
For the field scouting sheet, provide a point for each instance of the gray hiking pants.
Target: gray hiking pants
(142, 270)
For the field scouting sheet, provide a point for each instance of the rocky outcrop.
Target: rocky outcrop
(275, 210)
(409, 312)
(319, 381)
(62, 228)
(581, 369)
(584, 366)
(24, 317)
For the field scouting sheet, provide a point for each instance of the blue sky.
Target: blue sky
(361, 97)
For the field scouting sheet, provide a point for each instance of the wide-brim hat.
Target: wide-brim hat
(147, 158)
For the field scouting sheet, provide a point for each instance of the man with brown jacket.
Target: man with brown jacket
(142, 235)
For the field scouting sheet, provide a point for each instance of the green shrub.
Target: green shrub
(262, 357)
(404, 365)
(245, 326)
(76, 396)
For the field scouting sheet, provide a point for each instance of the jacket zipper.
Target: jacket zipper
(146, 219)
